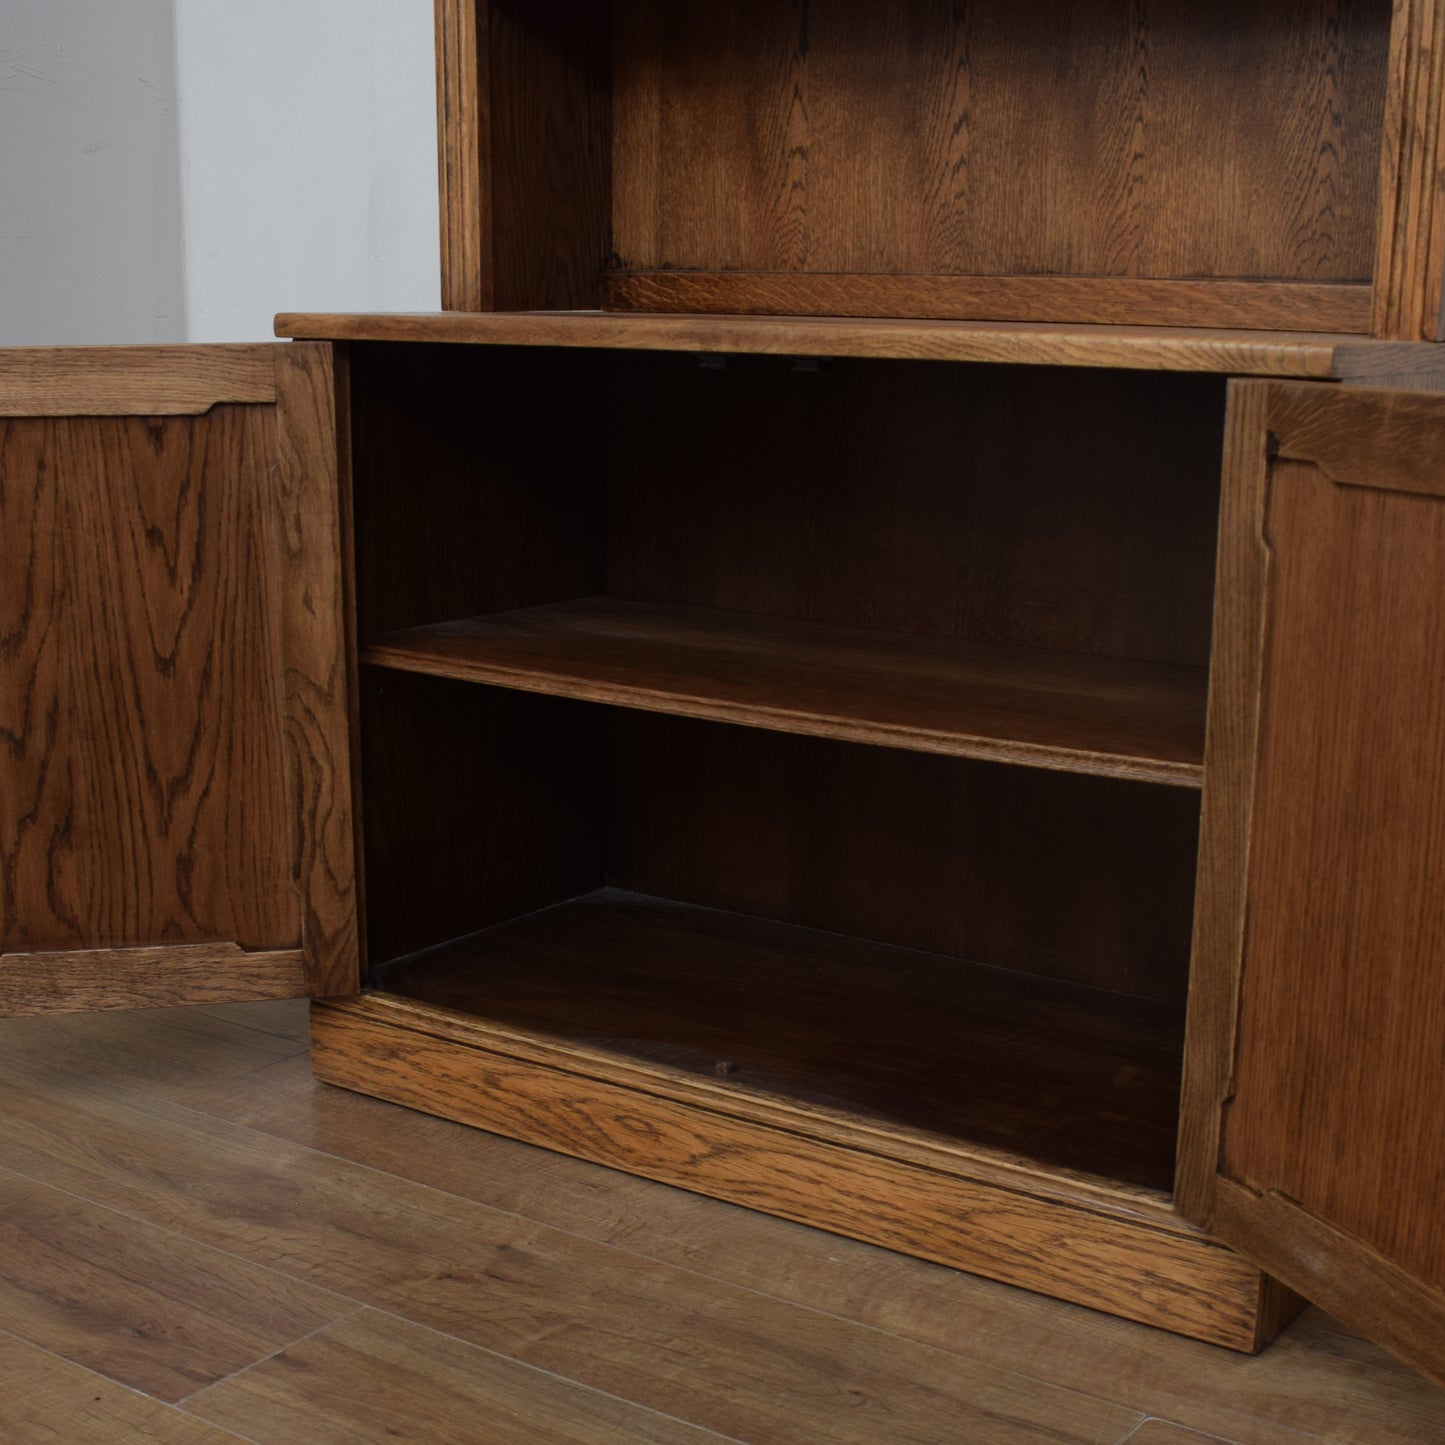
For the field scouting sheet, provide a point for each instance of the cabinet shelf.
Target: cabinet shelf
(1319, 355)
(936, 1050)
(1072, 713)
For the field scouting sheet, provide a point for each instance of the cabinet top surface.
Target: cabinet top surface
(1241, 353)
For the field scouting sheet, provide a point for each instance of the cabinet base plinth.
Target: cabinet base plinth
(1060, 1235)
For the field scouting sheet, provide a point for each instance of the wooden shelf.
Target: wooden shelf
(921, 1046)
(1048, 710)
(1148, 348)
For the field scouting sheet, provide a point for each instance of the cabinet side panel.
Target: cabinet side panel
(1340, 1089)
(141, 777)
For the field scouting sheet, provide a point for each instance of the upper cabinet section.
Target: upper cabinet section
(1250, 163)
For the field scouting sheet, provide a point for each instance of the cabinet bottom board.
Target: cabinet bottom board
(1052, 1236)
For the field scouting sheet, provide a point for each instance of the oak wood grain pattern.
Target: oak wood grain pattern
(718, 1356)
(376, 1378)
(1055, 138)
(44, 1399)
(1362, 437)
(1045, 710)
(463, 138)
(1392, 1306)
(1338, 1089)
(1410, 245)
(315, 628)
(1318, 1380)
(1134, 1204)
(1176, 1281)
(81, 980)
(1086, 880)
(913, 1042)
(480, 805)
(141, 783)
(1229, 759)
(1266, 305)
(1237, 353)
(925, 499)
(137, 1304)
(132, 380)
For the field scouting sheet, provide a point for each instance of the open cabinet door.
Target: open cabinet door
(175, 803)
(1314, 1127)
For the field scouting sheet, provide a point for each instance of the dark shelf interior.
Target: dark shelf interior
(1059, 1074)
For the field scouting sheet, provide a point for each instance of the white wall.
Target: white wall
(183, 169)
(90, 220)
(308, 160)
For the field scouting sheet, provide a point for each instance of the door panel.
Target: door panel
(1330, 1163)
(151, 838)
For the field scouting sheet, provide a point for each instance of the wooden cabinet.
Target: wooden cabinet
(972, 782)
(175, 808)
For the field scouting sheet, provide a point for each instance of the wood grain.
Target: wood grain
(1362, 437)
(914, 1042)
(81, 980)
(372, 1379)
(1103, 300)
(1065, 139)
(719, 1357)
(44, 1399)
(1229, 760)
(132, 380)
(1353, 691)
(1091, 715)
(142, 799)
(318, 655)
(1409, 293)
(480, 805)
(1331, 1099)
(1231, 353)
(1393, 1306)
(463, 138)
(1103, 1258)
(547, 74)
(1317, 1381)
(137, 1304)
(1082, 879)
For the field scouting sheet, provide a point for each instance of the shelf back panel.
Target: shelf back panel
(1033, 137)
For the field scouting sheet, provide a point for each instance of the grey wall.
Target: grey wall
(90, 188)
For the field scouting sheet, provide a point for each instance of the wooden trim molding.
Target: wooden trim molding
(1340, 1274)
(1253, 305)
(1410, 238)
(133, 380)
(1161, 1273)
(1241, 580)
(1030, 343)
(308, 550)
(463, 138)
(88, 980)
(1360, 437)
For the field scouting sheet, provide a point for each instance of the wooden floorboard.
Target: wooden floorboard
(49, 1401)
(569, 1296)
(370, 1380)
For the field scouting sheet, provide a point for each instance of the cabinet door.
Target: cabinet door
(175, 805)
(1314, 1127)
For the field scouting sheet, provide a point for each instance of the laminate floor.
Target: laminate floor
(200, 1244)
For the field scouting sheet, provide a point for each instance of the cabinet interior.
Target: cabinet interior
(842, 157)
(624, 787)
